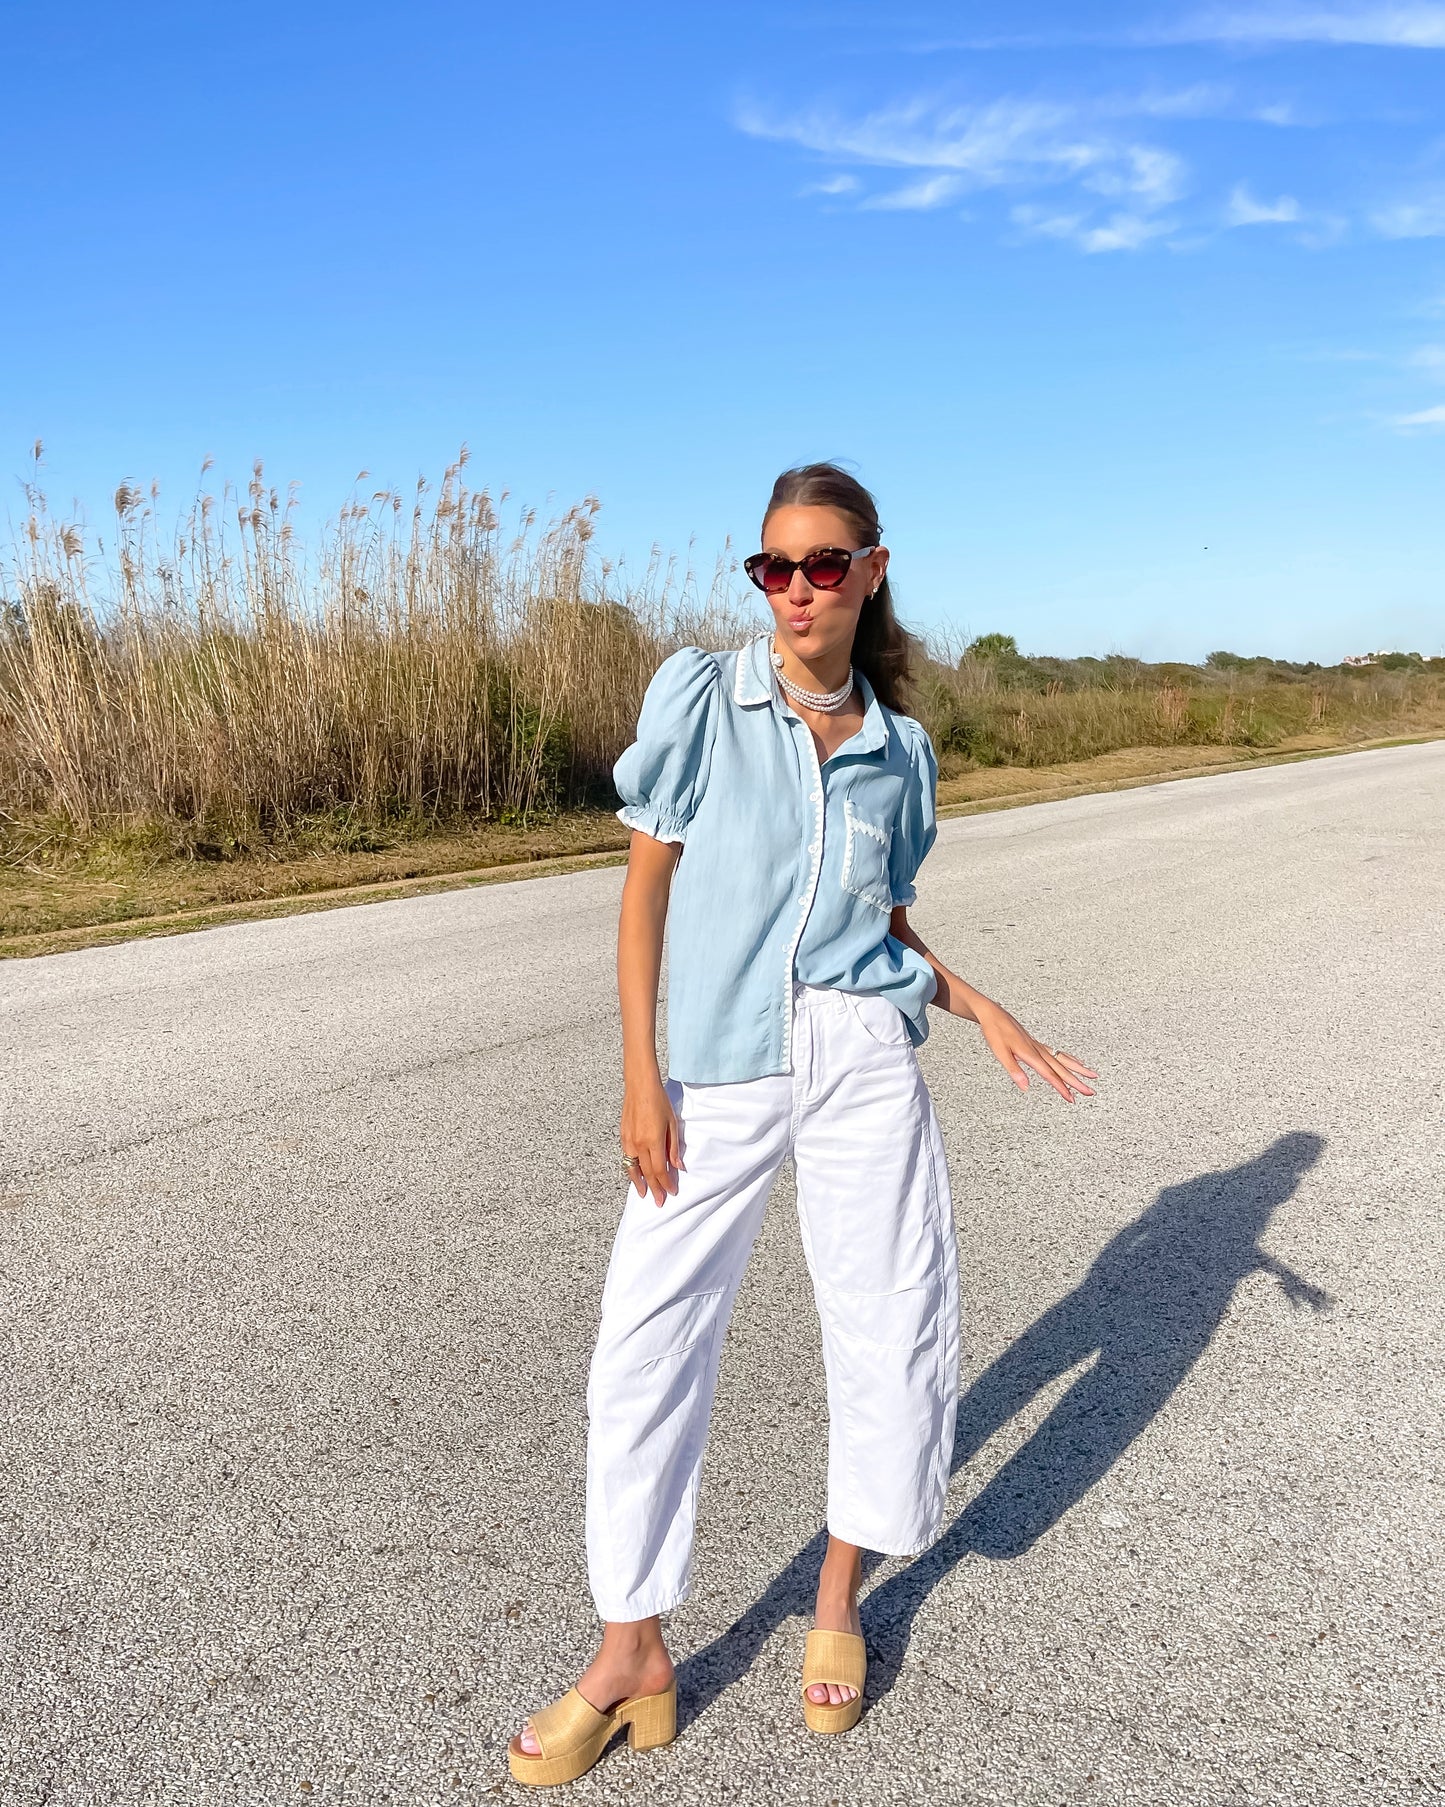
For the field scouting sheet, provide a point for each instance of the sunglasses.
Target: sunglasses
(824, 569)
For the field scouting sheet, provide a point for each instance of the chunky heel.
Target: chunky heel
(651, 1719)
(573, 1735)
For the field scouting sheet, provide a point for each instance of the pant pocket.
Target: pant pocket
(880, 1020)
(674, 1328)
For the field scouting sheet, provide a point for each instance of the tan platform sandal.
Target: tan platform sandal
(573, 1735)
(840, 1658)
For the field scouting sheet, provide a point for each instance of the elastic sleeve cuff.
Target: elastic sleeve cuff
(651, 820)
(905, 897)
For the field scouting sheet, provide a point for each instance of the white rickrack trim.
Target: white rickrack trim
(881, 897)
(856, 821)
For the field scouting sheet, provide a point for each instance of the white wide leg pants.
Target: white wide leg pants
(877, 1227)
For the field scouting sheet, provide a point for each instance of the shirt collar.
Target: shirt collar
(755, 683)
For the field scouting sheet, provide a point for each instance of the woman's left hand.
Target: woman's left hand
(1015, 1050)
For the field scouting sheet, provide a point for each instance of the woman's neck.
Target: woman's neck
(828, 672)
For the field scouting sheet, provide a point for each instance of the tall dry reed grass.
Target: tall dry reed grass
(425, 664)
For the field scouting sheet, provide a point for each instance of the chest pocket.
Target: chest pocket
(865, 860)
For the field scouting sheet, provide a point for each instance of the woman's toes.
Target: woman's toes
(528, 1741)
(829, 1694)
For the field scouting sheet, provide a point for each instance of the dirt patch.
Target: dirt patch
(993, 784)
(44, 901)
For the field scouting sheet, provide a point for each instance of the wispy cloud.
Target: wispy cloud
(1319, 231)
(1201, 100)
(1420, 27)
(1151, 176)
(1428, 360)
(1106, 171)
(1121, 232)
(990, 145)
(1244, 210)
(835, 185)
(1003, 144)
(1416, 27)
(918, 197)
(1421, 217)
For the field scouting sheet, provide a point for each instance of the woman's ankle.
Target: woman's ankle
(841, 1573)
(636, 1650)
(637, 1637)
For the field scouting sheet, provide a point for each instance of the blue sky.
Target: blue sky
(1081, 290)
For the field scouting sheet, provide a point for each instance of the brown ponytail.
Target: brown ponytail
(882, 649)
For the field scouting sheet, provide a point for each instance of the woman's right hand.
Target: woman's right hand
(651, 1131)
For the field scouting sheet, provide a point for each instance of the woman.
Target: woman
(797, 994)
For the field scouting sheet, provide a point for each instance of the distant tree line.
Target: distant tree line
(995, 658)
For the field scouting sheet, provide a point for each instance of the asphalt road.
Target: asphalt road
(302, 1232)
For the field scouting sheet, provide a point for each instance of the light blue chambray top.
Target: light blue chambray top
(789, 870)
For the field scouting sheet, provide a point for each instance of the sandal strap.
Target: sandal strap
(567, 1723)
(837, 1657)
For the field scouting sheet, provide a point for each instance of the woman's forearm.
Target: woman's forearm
(640, 928)
(639, 970)
(951, 994)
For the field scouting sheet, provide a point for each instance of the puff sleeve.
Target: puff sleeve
(663, 774)
(917, 821)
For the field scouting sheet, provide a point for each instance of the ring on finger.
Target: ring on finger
(631, 1160)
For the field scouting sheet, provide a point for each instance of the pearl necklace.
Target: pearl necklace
(827, 702)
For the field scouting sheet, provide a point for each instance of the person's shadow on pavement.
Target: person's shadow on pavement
(1147, 1308)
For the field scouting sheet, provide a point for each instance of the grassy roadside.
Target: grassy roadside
(221, 719)
(45, 912)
